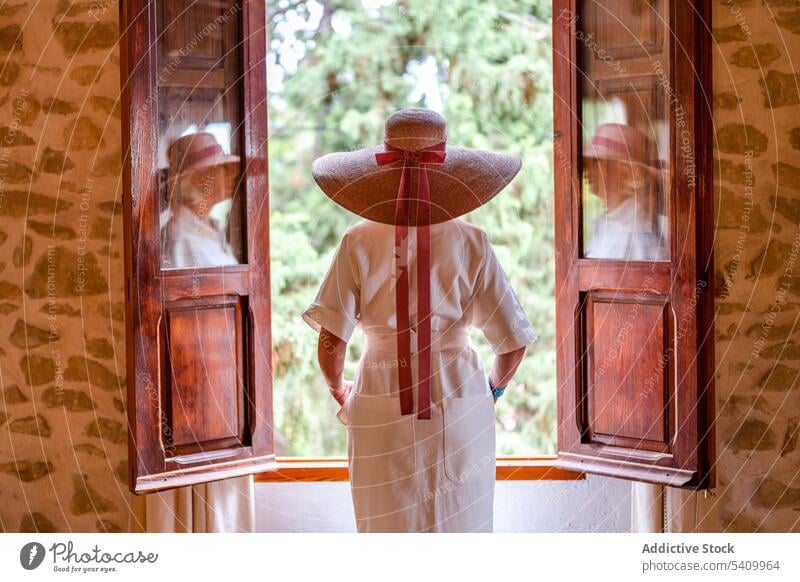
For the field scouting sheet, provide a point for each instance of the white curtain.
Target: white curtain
(216, 507)
(647, 508)
(657, 509)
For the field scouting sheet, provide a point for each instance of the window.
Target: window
(336, 70)
(629, 362)
(197, 246)
(634, 222)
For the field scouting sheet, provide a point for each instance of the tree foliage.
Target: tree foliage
(337, 69)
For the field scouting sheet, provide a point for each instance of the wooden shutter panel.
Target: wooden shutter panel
(196, 241)
(634, 287)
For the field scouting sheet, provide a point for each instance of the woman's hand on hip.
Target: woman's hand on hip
(341, 395)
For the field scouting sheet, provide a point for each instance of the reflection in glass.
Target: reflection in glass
(200, 120)
(200, 187)
(618, 173)
(625, 120)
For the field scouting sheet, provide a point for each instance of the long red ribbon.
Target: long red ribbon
(434, 154)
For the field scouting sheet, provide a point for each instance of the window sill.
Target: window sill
(313, 469)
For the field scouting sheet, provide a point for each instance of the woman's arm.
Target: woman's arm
(330, 353)
(505, 365)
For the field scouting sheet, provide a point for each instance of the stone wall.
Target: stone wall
(757, 119)
(62, 424)
(63, 438)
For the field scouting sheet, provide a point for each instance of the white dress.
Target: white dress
(407, 474)
(623, 233)
(190, 241)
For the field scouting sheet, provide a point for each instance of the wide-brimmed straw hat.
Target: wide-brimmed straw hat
(196, 151)
(621, 143)
(466, 180)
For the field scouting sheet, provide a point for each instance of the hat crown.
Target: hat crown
(414, 128)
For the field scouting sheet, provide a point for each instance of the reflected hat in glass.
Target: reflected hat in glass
(367, 181)
(196, 151)
(622, 143)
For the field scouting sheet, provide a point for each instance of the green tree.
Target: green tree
(337, 69)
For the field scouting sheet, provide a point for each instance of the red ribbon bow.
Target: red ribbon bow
(418, 159)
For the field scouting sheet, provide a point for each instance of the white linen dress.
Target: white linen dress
(408, 474)
(623, 233)
(190, 241)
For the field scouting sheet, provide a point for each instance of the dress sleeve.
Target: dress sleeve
(337, 304)
(496, 310)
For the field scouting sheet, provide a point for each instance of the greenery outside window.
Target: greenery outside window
(335, 70)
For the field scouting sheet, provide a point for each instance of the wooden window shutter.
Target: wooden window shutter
(196, 241)
(634, 228)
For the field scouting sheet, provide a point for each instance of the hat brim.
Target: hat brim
(221, 160)
(467, 179)
(601, 154)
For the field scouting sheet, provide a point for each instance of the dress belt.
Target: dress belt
(440, 340)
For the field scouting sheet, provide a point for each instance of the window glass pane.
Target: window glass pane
(625, 126)
(200, 123)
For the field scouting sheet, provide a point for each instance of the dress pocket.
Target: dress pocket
(469, 439)
(342, 413)
(382, 449)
